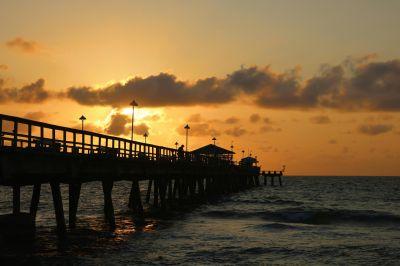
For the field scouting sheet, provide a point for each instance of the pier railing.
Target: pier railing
(22, 133)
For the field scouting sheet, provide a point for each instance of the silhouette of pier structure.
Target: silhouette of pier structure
(35, 153)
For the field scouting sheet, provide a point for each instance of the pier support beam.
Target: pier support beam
(135, 201)
(108, 204)
(148, 194)
(156, 190)
(74, 190)
(16, 199)
(35, 200)
(58, 208)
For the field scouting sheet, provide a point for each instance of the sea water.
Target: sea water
(310, 220)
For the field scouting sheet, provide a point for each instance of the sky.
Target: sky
(313, 85)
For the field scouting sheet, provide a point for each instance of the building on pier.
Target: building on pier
(213, 152)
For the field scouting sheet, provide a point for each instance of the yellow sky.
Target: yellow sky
(81, 44)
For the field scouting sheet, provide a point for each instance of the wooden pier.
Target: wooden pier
(35, 153)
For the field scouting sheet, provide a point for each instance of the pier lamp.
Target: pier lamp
(133, 104)
(187, 135)
(214, 139)
(145, 135)
(176, 145)
(242, 154)
(82, 118)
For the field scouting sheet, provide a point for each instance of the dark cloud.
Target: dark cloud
(359, 85)
(35, 115)
(120, 124)
(232, 120)
(375, 129)
(254, 118)
(31, 93)
(320, 119)
(23, 45)
(141, 129)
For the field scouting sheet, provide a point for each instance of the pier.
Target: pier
(34, 153)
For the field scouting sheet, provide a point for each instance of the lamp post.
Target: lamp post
(242, 154)
(214, 139)
(82, 118)
(145, 135)
(187, 135)
(133, 104)
(176, 145)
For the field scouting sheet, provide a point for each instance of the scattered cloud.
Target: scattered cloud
(269, 128)
(232, 120)
(332, 141)
(267, 120)
(35, 115)
(23, 45)
(3, 67)
(254, 118)
(236, 131)
(195, 118)
(375, 129)
(320, 119)
(199, 130)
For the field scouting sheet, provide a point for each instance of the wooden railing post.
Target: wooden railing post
(29, 135)
(91, 144)
(65, 140)
(15, 132)
(83, 142)
(74, 142)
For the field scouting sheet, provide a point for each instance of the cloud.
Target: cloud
(3, 67)
(332, 141)
(320, 119)
(120, 124)
(35, 115)
(195, 118)
(267, 120)
(355, 84)
(375, 129)
(254, 118)
(199, 130)
(232, 120)
(31, 93)
(141, 129)
(269, 128)
(23, 45)
(236, 131)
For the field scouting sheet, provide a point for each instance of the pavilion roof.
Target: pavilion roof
(212, 149)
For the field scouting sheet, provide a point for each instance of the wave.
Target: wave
(276, 226)
(331, 216)
(314, 216)
(270, 201)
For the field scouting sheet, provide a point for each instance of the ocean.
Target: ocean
(310, 220)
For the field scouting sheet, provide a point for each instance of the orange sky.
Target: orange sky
(311, 86)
